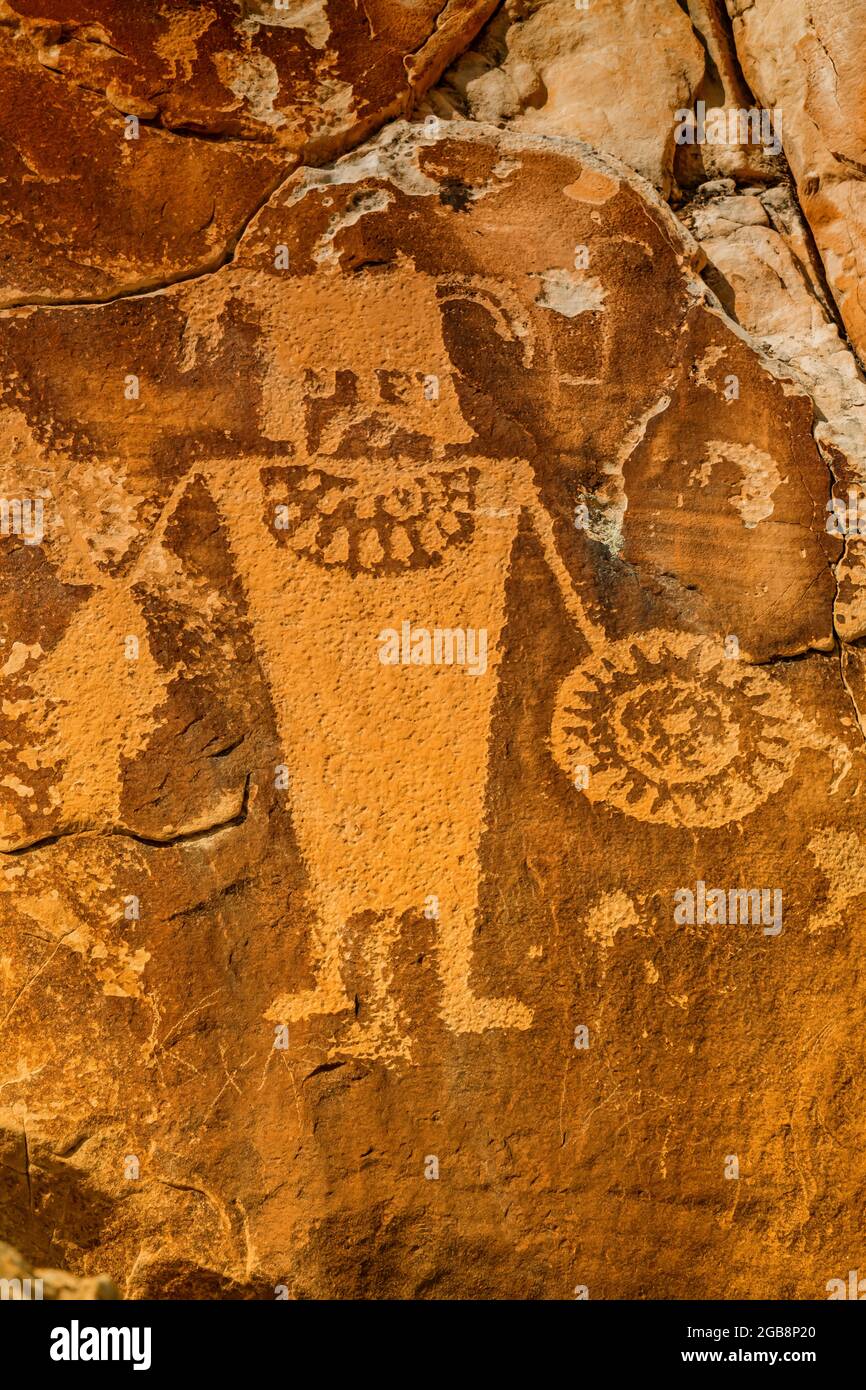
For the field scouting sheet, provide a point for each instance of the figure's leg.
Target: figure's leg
(463, 1010)
(377, 1031)
(328, 995)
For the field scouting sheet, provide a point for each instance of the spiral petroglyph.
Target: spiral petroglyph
(673, 732)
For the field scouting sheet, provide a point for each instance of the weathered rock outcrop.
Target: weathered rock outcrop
(140, 141)
(807, 59)
(412, 584)
(611, 75)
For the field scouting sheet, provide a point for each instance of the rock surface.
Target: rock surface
(610, 74)
(420, 576)
(140, 141)
(806, 57)
(20, 1283)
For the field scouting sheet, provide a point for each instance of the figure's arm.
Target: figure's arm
(543, 526)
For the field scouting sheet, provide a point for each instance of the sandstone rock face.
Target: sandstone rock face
(611, 75)
(807, 59)
(305, 73)
(413, 585)
(761, 269)
(104, 200)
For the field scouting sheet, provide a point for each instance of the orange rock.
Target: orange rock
(807, 60)
(406, 598)
(106, 202)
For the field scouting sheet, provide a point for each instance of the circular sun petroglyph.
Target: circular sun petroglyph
(675, 733)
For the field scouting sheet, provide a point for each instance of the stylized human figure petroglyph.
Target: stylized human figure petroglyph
(380, 511)
(383, 514)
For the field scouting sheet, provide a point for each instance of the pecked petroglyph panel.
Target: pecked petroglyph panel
(376, 690)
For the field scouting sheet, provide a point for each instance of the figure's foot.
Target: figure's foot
(465, 1012)
(376, 1041)
(309, 1003)
(376, 1037)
